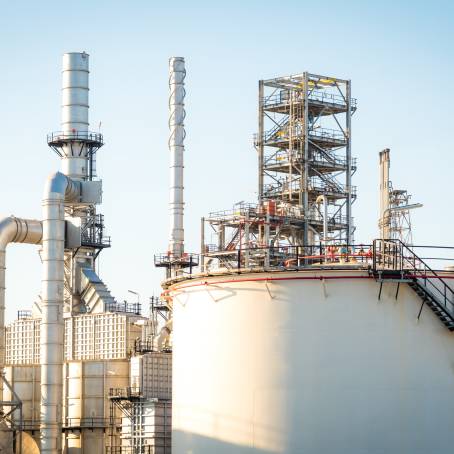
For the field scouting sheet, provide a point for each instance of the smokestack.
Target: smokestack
(74, 114)
(176, 147)
(384, 194)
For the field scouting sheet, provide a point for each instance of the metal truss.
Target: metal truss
(304, 150)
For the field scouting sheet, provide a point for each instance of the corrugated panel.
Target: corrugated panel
(87, 337)
(151, 426)
(22, 342)
(152, 373)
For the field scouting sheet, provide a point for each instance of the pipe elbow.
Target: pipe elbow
(18, 230)
(164, 335)
(58, 183)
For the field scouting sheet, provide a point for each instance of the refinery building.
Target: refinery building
(280, 334)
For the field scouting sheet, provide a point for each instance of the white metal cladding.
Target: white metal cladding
(100, 336)
(151, 426)
(87, 384)
(26, 382)
(309, 366)
(152, 373)
(22, 342)
(87, 337)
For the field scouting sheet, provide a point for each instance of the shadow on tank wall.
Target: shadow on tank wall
(187, 442)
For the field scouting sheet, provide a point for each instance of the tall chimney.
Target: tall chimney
(176, 147)
(74, 115)
(384, 194)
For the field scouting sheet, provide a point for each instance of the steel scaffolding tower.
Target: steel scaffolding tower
(304, 151)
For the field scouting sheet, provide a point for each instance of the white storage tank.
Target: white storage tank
(308, 362)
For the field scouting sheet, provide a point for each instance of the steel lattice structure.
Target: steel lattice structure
(304, 151)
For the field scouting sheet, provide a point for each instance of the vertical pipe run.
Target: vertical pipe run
(13, 230)
(260, 141)
(305, 186)
(348, 181)
(202, 244)
(176, 147)
(322, 199)
(58, 189)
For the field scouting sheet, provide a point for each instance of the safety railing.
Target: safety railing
(144, 346)
(278, 135)
(88, 423)
(169, 260)
(319, 96)
(284, 158)
(129, 308)
(125, 393)
(159, 445)
(65, 136)
(392, 255)
(333, 188)
(290, 257)
(24, 314)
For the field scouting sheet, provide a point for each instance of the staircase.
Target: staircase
(394, 261)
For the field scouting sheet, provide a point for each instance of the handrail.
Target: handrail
(433, 273)
(58, 136)
(408, 266)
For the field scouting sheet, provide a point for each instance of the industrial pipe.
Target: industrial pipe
(164, 335)
(322, 199)
(176, 147)
(59, 188)
(13, 230)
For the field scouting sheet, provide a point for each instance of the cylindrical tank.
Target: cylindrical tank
(308, 362)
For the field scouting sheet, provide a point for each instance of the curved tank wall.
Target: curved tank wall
(314, 364)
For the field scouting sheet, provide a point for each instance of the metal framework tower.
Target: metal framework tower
(395, 206)
(304, 151)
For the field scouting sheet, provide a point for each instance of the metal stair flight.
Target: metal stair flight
(394, 261)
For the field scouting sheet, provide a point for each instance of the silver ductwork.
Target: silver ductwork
(13, 230)
(176, 147)
(59, 189)
(74, 114)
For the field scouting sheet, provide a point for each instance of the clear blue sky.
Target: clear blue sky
(398, 55)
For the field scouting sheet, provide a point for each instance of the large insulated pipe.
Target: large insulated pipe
(13, 230)
(74, 114)
(58, 189)
(176, 147)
